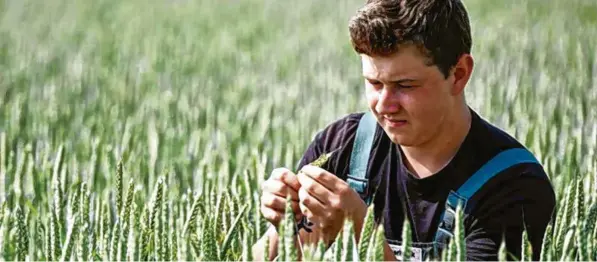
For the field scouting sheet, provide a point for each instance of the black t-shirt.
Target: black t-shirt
(497, 207)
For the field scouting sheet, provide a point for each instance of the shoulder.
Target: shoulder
(490, 133)
(522, 188)
(523, 185)
(524, 200)
(488, 141)
(522, 197)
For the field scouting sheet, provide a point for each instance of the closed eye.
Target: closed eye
(404, 86)
(373, 82)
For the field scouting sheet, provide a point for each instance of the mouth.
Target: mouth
(395, 122)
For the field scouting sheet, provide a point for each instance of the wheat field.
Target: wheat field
(142, 130)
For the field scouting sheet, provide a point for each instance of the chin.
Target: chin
(402, 140)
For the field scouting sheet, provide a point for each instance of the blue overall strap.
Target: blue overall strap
(358, 177)
(497, 164)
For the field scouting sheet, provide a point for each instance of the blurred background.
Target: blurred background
(210, 96)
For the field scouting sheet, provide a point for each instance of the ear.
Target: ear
(462, 72)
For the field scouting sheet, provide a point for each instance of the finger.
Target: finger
(325, 178)
(314, 188)
(309, 214)
(280, 189)
(310, 206)
(278, 203)
(271, 215)
(286, 176)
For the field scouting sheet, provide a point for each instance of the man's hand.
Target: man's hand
(282, 182)
(327, 200)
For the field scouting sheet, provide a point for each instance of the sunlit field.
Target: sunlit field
(142, 130)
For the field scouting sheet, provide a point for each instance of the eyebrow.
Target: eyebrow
(399, 81)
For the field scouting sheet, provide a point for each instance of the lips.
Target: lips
(394, 119)
(396, 122)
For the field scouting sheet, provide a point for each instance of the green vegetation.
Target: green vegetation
(141, 130)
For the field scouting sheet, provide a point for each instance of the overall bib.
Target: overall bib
(358, 179)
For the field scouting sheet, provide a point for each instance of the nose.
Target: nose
(387, 101)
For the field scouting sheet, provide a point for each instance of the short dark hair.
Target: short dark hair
(439, 28)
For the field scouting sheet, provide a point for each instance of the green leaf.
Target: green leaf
(233, 232)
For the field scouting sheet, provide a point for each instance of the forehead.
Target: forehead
(407, 62)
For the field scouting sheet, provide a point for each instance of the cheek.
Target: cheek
(371, 96)
(424, 106)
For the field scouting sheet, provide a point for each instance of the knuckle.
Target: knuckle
(268, 201)
(344, 191)
(284, 172)
(317, 175)
(306, 201)
(270, 214)
(275, 217)
(265, 212)
(286, 193)
(328, 215)
(309, 215)
(277, 173)
(323, 224)
(335, 203)
(279, 216)
(281, 188)
(308, 185)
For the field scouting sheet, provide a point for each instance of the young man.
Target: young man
(428, 146)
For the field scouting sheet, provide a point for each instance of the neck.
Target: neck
(432, 156)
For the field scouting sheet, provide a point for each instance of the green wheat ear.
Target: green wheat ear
(526, 248)
(589, 230)
(22, 236)
(288, 237)
(366, 233)
(348, 241)
(322, 159)
(406, 240)
(503, 253)
(378, 247)
(459, 237)
(546, 249)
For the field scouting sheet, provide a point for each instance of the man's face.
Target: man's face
(410, 99)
